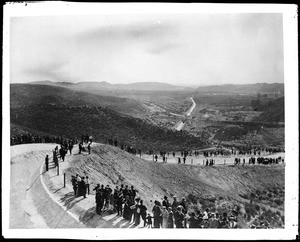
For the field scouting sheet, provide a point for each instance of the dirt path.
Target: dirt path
(30, 205)
(180, 124)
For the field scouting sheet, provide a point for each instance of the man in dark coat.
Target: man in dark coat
(120, 203)
(143, 212)
(99, 199)
(74, 184)
(82, 188)
(80, 147)
(47, 162)
(89, 148)
(156, 215)
(107, 192)
(132, 193)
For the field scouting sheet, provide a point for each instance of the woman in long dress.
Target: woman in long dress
(170, 218)
(165, 216)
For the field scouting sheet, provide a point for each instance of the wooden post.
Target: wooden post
(192, 161)
(57, 168)
(64, 179)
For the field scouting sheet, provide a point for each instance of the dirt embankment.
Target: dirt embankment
(110, 165)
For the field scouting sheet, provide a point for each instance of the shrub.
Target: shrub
(278, 201)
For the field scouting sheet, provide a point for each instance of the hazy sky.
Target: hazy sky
(186, 49)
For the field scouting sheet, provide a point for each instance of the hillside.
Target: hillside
(243, 89)
(223, 188)
(273, 111)
(28, 94)
(59, 111)
(105, 86)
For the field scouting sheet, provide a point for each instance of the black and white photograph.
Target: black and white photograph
(150, 121)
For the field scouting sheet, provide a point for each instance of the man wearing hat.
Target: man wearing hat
(156, 214)
(175, 204)
(99, 199)
(166, 202)
(107, 192)
(179, 217)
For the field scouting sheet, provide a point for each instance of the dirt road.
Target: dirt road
(180, 124)
(30, 204)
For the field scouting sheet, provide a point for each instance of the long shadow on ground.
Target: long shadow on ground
(105, 220)
(69, 200)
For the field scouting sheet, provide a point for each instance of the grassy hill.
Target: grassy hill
(105, 86)
(220, 188)
(59, 111)
(246, 88)
(28, 94)
(273, 111)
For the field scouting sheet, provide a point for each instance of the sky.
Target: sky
(180, 49)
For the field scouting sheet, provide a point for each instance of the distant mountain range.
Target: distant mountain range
(244, 89)
(102, 86)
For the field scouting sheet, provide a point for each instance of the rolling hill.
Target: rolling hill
(99, 87)
(26, 94)
(219, 188)
(273, 111)
(60, 111)
(243, 89)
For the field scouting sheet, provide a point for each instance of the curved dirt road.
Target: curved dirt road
(180, 124)
(30, 204)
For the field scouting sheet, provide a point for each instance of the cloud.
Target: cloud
(155, 36)
(159, 48)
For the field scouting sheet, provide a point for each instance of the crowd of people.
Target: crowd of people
(81, 185)
(34, 138)
(164, 214)
(124, 202)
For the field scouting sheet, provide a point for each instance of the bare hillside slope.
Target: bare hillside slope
(110, 165)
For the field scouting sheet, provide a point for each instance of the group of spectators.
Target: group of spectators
(122, 146)
(35, 138)
(265, 160)
(81, 185)
(175, 215)
(124, 201)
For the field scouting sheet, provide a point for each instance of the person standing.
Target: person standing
(47, 162)
(87, 182)
(165, 216)
(170, 218)
(74, 184)
(119, 203)
(166, 202)
(78, 180)
(137, 218)
(149, 221)
(80, 147)
(83, 187)
(192, 221)
(175, 204)
(143, 212)
(70, 147)
(99, 199)
(156, 215)
(89, 148)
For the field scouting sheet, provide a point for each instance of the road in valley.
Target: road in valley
(180, 124)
